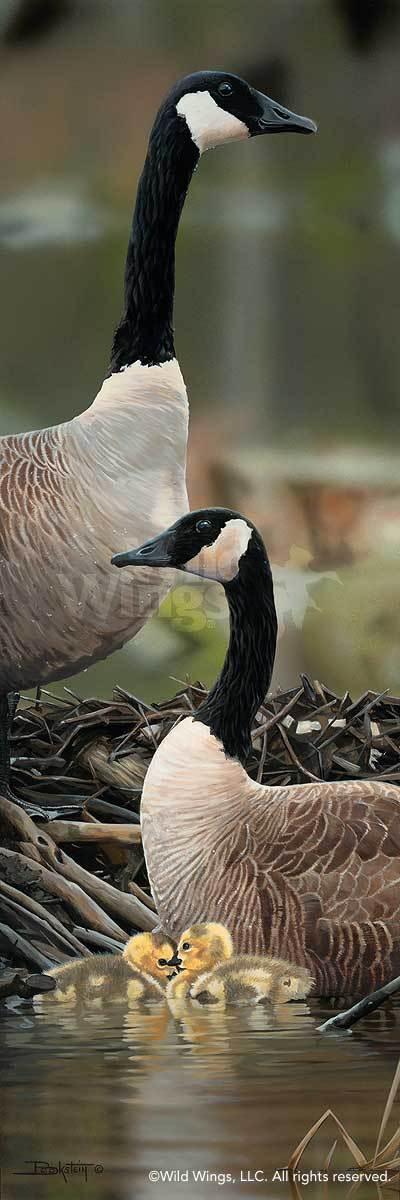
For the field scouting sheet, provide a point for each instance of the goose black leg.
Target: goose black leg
(8, 707)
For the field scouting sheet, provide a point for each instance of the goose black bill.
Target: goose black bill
(274, 118)
(154, 553)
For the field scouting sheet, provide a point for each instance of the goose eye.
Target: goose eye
(201, 525)
(186, 946)
(225, 89)
(162, 962)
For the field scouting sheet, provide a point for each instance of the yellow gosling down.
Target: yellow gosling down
(211, 974)
(200, 948)
(140, 974)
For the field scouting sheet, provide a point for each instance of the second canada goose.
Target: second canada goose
(309, 873)
(141, 973)
(210, 972)
(121, 464)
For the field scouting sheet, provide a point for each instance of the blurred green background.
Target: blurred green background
(287, 301)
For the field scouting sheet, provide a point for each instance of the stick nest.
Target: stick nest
(83, 762)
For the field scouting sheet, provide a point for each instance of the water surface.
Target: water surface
(223, 1093)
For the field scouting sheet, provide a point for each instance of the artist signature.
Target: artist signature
(40, 1166)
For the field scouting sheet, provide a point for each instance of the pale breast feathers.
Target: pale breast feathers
(70, 496)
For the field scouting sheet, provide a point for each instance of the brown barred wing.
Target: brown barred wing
(337, 846)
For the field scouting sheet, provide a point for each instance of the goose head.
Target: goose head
(223, 546)
(214, 543)
(152, 953)
(218, 107)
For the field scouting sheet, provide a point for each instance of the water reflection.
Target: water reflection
(213, 1091)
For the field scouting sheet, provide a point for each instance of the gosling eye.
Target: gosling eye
(186, 946)
(162, 962)
(201, 525)
(225, 89)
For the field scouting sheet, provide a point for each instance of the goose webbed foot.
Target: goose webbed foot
(32, 810)
(40, 813)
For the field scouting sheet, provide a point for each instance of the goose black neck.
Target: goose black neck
(145, 332)
(232, 703)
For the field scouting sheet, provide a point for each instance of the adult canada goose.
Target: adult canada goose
(121, 464)
(309, 873)
(211, 973)
(139, 974)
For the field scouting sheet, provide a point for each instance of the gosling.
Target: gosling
(210, 973)
(140, 974)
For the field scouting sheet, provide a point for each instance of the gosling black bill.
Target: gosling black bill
(175, 961)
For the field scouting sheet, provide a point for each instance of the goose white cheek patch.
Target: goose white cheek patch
(221, 560)
(209, 125)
